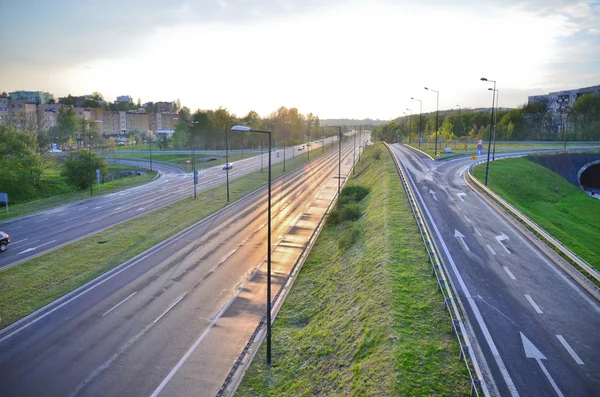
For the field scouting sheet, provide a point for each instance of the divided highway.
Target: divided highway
(537, 329)
(34, 234)
(173, 320)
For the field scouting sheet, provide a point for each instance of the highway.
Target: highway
(538, 331)
(41, 232)
(173, 320)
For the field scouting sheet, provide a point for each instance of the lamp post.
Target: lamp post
(409, 124)
(496, 93)
(420, 116)
(487, 165)
(437, 113)
(339, 127)
(459, 119)
(248, 129)
(285, 123)
(308, 141)
(150, 150)
(227, 154)
(323, 135)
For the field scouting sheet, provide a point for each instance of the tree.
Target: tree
(20, 167)
(163, 142)
(585, 116)
(79, 168)
(68, 100)
(97, 96)
(90, 103)
(66, 124)
(447, 131)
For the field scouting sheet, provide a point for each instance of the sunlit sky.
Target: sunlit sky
(336, 59)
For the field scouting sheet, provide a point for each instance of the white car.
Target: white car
(228, 166)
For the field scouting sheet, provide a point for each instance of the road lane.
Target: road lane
(533, 298)
(125, 335)
(97, 213)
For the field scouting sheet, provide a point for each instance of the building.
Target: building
(561, 101)
(163, 121)
(124, 98)
(47, 115)
(3, 108)
(39, 97)
(22, 113)
(163, 107)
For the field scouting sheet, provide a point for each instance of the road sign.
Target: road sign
(473, 157)
(480, 142)
(195, 177)
(437, 154)
(98, 176)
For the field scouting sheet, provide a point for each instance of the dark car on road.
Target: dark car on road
(4, 241)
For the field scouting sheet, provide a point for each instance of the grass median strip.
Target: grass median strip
(364, 317)
(30, 285)
(551, 201)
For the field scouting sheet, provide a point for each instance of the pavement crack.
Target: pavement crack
(496, 309)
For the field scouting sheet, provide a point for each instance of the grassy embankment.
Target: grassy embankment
(500, 147)
(182, 159)
(569, 214)
(364, 317)
(28, 286)
(55, 191)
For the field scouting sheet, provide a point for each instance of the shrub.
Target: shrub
(349, 236)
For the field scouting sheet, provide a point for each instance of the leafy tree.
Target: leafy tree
(20, 167)
(90, 103)
(447, 131)
(163, 142)
(80, 168)
(97, 96)
(585, 115)
(150, 107)
(68, 100)
(66, 124)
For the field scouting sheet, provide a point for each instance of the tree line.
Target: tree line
(532, 121)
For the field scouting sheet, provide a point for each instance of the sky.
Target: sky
(333, 58)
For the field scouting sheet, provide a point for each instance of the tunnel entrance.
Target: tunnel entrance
(590, 177)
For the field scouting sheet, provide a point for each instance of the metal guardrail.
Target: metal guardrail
(584, 268)
(439, 272)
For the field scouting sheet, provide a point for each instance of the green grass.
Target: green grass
(28, 286)
(182, 159)
(364, 319)
(58, 192)
(500, 146)
(569, 214)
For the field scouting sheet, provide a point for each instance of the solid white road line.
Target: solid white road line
(491, 249)
(170, 307)
(535, 306)
(119, 304)
(509, 273)
(570, 350)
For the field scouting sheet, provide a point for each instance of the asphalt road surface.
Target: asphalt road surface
(538, 330)
(173, 320)
(37, 233)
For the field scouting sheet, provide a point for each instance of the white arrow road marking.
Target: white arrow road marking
(535, 306)
(460, 196)
(461, 237)
(570, 350)
(433, 194)
(532, 352)
(34, 248)
(509, 273)
(501, 238)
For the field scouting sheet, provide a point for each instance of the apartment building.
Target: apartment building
(47, 115)
(563, 100)
(163, 121)
(39, 97)
(21, 112)
(124, 98)
(163, 107)
(3, 108)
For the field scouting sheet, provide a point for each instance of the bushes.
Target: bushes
(347, 207)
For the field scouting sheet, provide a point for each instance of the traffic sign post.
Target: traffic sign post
(479, 147)
(4, 199)
(98, 178)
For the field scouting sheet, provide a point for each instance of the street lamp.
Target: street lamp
(285, 123)
(420, 116)
(409, 124)
(248, 129)
(487, 165)
(437, 113)
(497, 93)
(339, 127)
(150, 150)
(91, 168)
(227, 153)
